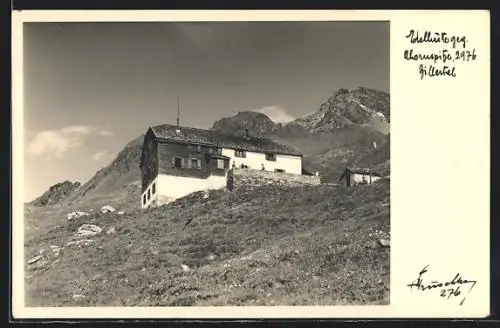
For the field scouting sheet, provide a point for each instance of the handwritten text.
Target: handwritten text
(447, 289)
(452, 50)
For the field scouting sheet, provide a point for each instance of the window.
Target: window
(279, 170)
(219, 151)
(154, 188)
(270, 157)
(220, 163)
(144, 199)
(240, 153)
(177, 162)
(195, 163)
(198, 148)
(149, 194)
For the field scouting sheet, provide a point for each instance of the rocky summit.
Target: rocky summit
(256, 124)
(361, 106)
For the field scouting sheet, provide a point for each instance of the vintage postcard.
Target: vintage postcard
(250, 164)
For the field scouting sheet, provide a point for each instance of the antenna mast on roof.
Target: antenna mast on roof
(178, 110)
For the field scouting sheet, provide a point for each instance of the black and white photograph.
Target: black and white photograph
(174, 164)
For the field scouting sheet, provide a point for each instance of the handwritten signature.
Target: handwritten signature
(447, 289)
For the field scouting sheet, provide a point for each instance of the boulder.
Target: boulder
(385, 242)
(88, 230)
(107, 209)
(74, 215)
(34, 260)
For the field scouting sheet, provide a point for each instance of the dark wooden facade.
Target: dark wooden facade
(149, 159)
(179, 159)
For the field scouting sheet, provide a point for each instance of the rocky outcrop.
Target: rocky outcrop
(57, 193)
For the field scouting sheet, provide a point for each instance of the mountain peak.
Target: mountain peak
(258, 124)
(363, 106)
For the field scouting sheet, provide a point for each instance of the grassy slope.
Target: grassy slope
(271, 245)
(40, 220)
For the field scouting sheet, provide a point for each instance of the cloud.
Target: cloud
(106, 132)
(98, 155)
(276, 114)
(77, 130)
(54, 143)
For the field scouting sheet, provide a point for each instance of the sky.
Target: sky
(90, 88)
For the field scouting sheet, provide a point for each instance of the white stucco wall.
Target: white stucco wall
(358, 178)
(291, 164)
(169, 187)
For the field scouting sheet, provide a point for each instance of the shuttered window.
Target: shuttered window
(177, 162)
(240, 153)
(194, 163)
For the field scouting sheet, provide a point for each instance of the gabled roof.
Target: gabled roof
(189, 135)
